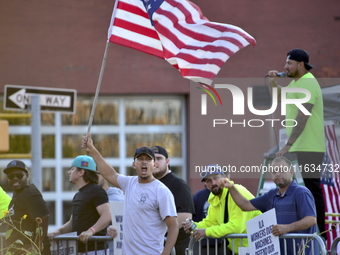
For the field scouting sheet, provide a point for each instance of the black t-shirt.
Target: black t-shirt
(31, 203)
(84, 212)
(180, 191)
(183, 202)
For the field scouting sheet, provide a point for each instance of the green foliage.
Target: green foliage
(18, 247)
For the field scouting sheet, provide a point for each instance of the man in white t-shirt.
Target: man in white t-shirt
(149, 209)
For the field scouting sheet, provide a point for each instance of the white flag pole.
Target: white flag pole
(101, 74)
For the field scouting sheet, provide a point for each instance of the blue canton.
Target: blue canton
(151, 6)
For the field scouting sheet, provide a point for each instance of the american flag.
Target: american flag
(177, 31)
(330, 181)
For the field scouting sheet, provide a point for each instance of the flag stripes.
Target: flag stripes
(332, 193)
(179, 33)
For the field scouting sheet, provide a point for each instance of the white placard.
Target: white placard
(243, 251)
(261, 241)
(68, 247)
(117, 208)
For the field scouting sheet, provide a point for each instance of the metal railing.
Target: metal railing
(67, 245)
(321, 250)
(334, 246)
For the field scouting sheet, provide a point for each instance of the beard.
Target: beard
(160, 173)
(217, 191)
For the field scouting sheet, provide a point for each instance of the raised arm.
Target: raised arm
(105, 169)
(273, 84)
(239, 199)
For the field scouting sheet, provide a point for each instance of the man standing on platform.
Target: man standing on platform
(306, 139)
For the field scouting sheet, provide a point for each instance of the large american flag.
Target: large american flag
(177, 31)
(331, 182)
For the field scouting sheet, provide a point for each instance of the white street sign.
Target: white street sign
(51, 99)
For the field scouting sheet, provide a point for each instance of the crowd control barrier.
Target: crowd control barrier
(192, 250)
(67, 245)
(334, 246)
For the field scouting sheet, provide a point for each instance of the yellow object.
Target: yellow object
(5, 199)
(4, 137)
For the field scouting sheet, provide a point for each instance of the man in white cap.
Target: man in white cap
(90, 208)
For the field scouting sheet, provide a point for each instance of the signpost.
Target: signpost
(36, 100)
(18, 98)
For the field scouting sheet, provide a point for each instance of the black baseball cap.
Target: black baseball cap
(160, 150)
(15, 164)
(300, 55)
(144, 150)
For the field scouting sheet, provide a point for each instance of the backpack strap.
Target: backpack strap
(226, 215)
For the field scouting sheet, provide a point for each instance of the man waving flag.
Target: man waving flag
(177, 31)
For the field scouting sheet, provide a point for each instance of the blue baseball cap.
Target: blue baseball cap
(85, 162)
(211, 169)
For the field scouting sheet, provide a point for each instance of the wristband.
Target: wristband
(289, 144)
(93, 230)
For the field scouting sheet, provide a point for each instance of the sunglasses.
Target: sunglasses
(18, 175)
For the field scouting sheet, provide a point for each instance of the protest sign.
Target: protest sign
(117, 208)
(243, 251)
(261, 241)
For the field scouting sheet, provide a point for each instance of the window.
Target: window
(120, 125)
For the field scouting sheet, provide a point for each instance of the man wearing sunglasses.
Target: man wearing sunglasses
(26, 207)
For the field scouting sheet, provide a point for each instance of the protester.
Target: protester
(149, 210)
(181, 192)
(90, 208)
(294, 204)
(201, 205)
(27, 211)
(200, 199)
(306, 139)
(224, 216)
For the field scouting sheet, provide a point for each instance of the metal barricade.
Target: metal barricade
(334, 246)
(320, 251)
(68, 245)
(67, 249)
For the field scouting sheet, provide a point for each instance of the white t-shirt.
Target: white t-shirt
(145, 208)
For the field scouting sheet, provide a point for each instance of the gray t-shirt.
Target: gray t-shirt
(146, 206)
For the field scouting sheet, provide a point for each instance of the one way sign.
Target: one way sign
(51, 100)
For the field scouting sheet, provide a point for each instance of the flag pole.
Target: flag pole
(101, 74)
